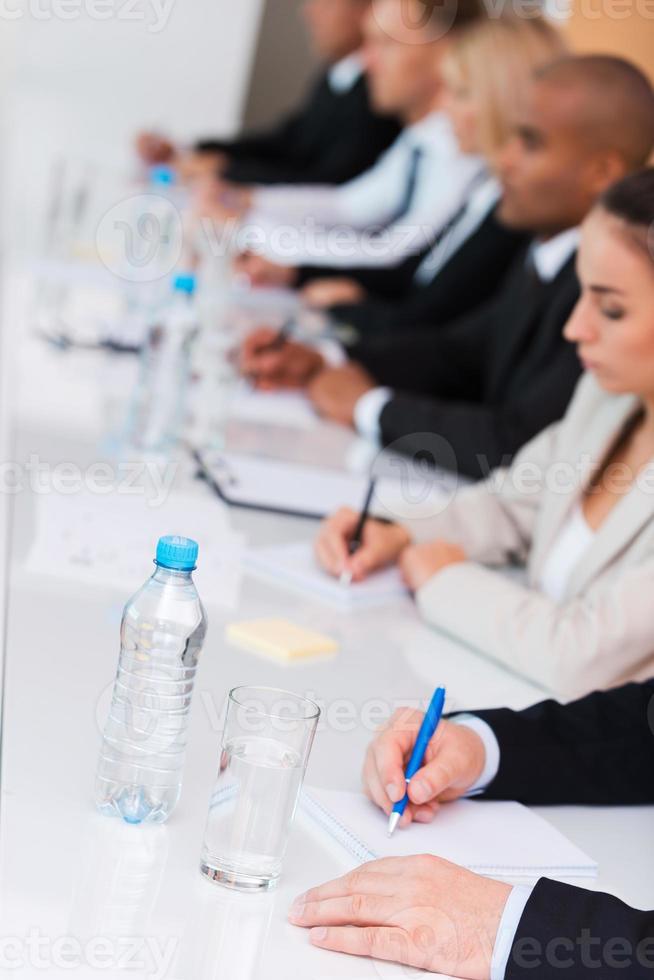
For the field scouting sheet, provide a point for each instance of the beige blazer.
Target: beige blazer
(603, 631)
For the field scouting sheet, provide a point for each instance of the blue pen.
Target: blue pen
(425, 735)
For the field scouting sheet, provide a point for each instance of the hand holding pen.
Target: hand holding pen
(271, 359)
(356, 540)
(381, 544)
(427, 731)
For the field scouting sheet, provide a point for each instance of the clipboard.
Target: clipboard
(275, 486)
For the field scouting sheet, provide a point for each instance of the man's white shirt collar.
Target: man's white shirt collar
(344, 75)
(549, 257)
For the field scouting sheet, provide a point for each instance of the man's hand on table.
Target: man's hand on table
(322, 293)
(336, 391)
(262, 273)
(421, 911)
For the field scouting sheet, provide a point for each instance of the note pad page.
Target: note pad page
(491, 838)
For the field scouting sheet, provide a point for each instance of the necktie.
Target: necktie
(447, 241)
(533, 276)
(436, 258)
(411, 185)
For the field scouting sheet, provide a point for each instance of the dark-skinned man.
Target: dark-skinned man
(490, 381)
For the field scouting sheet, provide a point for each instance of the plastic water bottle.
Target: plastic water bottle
(158, 407)
(139, 775)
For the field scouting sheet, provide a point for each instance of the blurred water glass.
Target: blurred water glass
(265, 750)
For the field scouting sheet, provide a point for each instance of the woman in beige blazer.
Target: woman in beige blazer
(576, 506)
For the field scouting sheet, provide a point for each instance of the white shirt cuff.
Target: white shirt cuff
(368, 410)
(332, 352)
(513, 912)
(491, 746)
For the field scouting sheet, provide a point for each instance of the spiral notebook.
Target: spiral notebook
(500, 839)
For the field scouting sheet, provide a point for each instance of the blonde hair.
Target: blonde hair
(496, 59)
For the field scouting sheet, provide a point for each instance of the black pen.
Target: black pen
(357, 538)
(279, 339)
(275, 344)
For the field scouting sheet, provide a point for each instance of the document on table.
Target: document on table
(488, 837)
(111, 541)
(290, 409)
(316, 491)
(295, 566)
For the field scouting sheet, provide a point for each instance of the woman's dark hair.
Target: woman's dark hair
(632, 201)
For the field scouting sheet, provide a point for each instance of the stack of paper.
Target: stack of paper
(111, 540)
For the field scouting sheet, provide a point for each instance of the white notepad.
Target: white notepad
(295, 566)
(491, 838)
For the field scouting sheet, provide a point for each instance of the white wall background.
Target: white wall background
(75, 85)
(82, 86)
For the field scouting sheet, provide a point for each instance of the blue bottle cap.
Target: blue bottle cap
(178, 553)
(184, 283)
(161, 174)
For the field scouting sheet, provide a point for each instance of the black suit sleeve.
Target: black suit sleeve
(390, 283)
(448, 361)
(571, 932)
(268, 145)
(465, 282)
(598, 750)
(332, 167)
(484, 384)
(482, 435)
(330, 139)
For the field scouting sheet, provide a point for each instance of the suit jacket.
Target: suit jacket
(599, 750)
(571, 932)
(602, 633)
(466, 281)
(391, 282)
(485, 383)
(332, 138)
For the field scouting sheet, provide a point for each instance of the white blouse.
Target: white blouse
(571, 543)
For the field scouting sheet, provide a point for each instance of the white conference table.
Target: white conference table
(68, 873)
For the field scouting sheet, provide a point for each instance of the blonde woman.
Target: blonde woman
(576, 507)
(486, 74)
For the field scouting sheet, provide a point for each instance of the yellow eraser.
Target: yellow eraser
(279, 638)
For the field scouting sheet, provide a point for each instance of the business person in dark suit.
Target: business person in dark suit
(487, 383)
(433, 915)
(334, 136)
(485, 72)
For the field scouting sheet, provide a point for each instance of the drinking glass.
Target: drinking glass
(265, 749)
